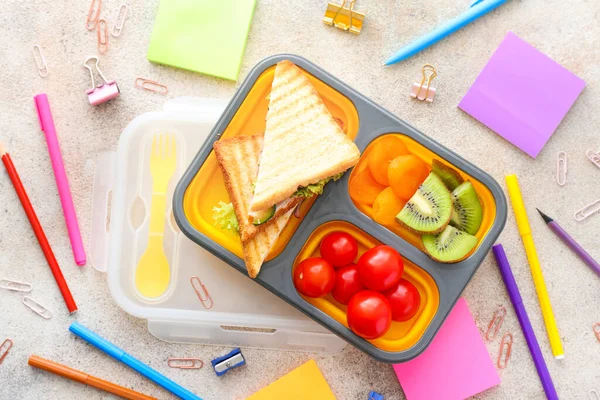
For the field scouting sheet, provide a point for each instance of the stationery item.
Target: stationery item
(495, 323)
(596, 329)
(516, 199)
(151, 86)
(102, 33)
(477, 9)
(5, 348)
(573, 245)
(86, 379)
(505, 350)
(423, 91)
(594, 395)
(153, 274)
(456, 365)
(229, 361)
(517, 301)
(185, 363)
(375, 396)
(202, 292)
(40, 60)
(305, 382)
(93, 15)
(522, 94)
(62, 183)
(36, 307)
(593, 157)
(185, 31)
(133, 363)
(15, 286)
(344, 17)
(37, 229)
(587, 211)
(103, 92)
(121, 17)
(561, 168)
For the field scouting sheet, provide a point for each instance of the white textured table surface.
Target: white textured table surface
(567, 32)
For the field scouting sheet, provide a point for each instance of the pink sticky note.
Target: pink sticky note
(456, 365)
(522, 94)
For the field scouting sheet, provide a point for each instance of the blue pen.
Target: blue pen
(477, 9)
(131, 362)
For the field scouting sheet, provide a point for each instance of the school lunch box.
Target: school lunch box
(242, 313)
(440, 285)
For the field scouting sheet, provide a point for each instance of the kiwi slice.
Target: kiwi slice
(449, 246)
(467, 213)
(428, 211)
(448, 175)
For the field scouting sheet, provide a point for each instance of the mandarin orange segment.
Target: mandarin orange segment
(386, 206)
(405, 174)
(363, 188)
(382, 154)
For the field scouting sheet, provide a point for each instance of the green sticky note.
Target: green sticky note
(206, 36)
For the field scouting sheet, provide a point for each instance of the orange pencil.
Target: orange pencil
(86, 379)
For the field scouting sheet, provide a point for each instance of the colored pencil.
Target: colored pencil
(86, 379)
(37, 229)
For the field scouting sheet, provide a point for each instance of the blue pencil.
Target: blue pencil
(477, 9)
(119, 355)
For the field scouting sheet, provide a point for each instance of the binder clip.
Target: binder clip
(424, 91)
(224, 364)
(375, 396)
(344, 17)
(103, 92)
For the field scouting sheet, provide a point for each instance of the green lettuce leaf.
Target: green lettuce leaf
(224, 216)
(317, 188)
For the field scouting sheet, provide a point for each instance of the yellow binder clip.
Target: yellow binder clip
(343, 16)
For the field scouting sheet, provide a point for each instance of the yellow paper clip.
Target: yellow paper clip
(344, 17)
(424, 91)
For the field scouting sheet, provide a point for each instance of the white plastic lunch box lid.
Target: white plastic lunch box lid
(244, 313)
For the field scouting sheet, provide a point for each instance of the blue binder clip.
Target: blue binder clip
(234, 359)
(375, 396)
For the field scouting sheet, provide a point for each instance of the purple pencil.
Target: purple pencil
(573, 245)
(517, 301)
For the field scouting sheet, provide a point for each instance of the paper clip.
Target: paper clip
(151, 86)
(93, 16)
(505, 350)
(185, 363)
(424, 93)
(121, 17)
(594, 395)
(40, 60)
(4, 348)
(103, 92)
(37, 307)
(561, 168)
(344, 17)
(201, 292)
(15, 286)
(593, 157)
(495, 323)
(596, 328)
(588, 210)
(102, 33)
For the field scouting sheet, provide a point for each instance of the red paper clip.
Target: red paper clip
(185, 363)
(495, 323)
(596, 328)
(504, 356)
(4, 348)
(201, 292)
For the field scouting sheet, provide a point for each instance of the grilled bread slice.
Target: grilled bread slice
(302, 144)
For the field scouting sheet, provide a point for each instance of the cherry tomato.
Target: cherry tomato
(347, 284)
(369, 314)
(339, 248)
(404, 299)
(380, 268)
(314, 277)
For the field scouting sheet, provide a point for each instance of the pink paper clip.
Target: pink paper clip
(593, 157)
(103, 92)
(4, 348)
(93, 15)
(561, 168)
(596, 329)
(102, 33)
(201, 292)
(495, 323)
(423, 91)
(587, 211)
(505, 350)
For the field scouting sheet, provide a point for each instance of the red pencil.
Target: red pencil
(37, 229)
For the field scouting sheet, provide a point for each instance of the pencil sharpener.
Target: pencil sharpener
(375, 396)
(224, 364)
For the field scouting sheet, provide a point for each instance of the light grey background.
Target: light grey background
(566, 31)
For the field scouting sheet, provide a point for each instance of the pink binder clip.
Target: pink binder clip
(103, 92)
(424, 91)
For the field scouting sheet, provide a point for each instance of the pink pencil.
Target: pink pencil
(47, 124)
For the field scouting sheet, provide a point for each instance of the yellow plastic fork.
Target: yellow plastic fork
(153, 274)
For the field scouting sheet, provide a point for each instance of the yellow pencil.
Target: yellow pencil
(536, 271)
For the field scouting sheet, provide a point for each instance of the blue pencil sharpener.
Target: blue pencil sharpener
(224, 364)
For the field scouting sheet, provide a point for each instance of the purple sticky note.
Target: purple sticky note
(456, 365)
(522, 94)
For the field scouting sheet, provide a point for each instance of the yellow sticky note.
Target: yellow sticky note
(305, 382)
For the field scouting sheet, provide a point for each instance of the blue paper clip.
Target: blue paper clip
(234, 359)
(375, 396)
